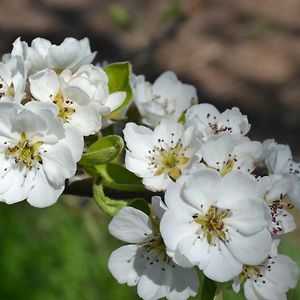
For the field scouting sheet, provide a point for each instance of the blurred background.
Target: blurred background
(236, 52)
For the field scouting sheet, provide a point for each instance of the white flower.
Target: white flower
(209, 121)
(278, 160)
(217, 223)
(166, 97)
(269, 280)
(42, 54)
(159, 156)
(36, 154)
(226, 153)
(94, 82)
(274, 189)
(12, 80)
(144, 262)
(74, 105)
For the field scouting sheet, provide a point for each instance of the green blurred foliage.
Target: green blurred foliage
(57, 253)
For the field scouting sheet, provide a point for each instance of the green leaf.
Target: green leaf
(208, 288)
(117, 177)
(119, 81)
(103, 151)
(110, 206)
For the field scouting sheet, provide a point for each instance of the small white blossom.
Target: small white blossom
(166, 97)
(94, 82)
(159, 156)
(269, 280)
(37, 154)
(217, 223)
(42, 54)
(279, 160)
(274, 189)
(209, 121)
(74, 105)
(144, 262)
(226, 153)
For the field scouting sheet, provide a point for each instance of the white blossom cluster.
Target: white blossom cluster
(226, 202)
(51, 96)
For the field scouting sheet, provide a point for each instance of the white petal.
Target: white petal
(44, 85)
(249, 217)
(138, 166)
(284, 272)
(201, 190)
(130, 225)
(86, 119)
(216, 150)
(12, 186)
(58, 163)
(222, 265)
(176, 224)
(157, 183)
(126, 264)
(42, 192)
(168, 130)
(185, 284)
(202, 113)
(251, 249)
(158, 206)
(114, 100)
(154, 283)
(196, 250)
(250, 291)
(237, 187)
(132, 134)
(268, 290)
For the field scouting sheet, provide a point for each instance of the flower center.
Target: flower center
(25, 151)
(212, 224)
(250, 272)
(64, 107)
(168, 160)
(156, 252)
(257, 273)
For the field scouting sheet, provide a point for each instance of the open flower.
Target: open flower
(274, 189)
(75, 107)
(159, 156)
(166, 97)
(94, 82)
(217, 223)
(279, 160)
(37, 154)
(144, 262)
(226, 153)
(269, 280)
(209, 121)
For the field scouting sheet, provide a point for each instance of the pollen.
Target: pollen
(25, 151)
(65, 109)
(168, 160)
(212, 224)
